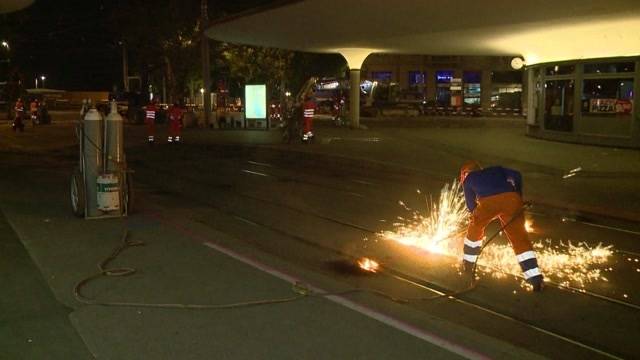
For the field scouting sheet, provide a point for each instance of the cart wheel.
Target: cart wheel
(128, 192)
(77, 193)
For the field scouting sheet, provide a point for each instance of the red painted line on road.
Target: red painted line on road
(341, 300)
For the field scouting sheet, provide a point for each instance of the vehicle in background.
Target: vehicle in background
(376, 99)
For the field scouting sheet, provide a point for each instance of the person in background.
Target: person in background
(18, 123)
(150, 121)
(309, 109)
(33, 109)
(175, 122)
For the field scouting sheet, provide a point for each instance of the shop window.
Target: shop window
(558, 112)
(506, 77)
(472, 94)
(506, 97)
(618, 67)
(444, 76)
(381, 76)
(443, 87)
(472, 77)
(416, 90)
(416, 78)
(472, 88)
(560, 70)
(443, 96)
(608, 97)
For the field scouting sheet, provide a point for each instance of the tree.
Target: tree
(242, 64)
(162, 40)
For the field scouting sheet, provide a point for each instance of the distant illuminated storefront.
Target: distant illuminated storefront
(588, 101)
(472, 81)
(446, 84)
(443, 87)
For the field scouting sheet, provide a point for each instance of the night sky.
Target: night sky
(75, 43)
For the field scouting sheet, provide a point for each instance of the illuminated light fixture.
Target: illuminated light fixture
(517, 63)
(355, 56)
(201, 90)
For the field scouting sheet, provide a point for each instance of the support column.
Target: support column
(354, 98)
(355, 58)
(530, 96)
(485, 92)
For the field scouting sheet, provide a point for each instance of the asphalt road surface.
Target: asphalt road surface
(319, 216)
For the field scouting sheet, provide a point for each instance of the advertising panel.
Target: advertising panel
(610, 106)
(255, 102)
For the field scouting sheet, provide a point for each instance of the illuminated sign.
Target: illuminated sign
(444, 76)
(256, 101)
(329, 85)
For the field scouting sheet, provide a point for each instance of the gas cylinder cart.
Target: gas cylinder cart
(102, 185)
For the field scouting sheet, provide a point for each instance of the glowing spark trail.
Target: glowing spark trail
(443, 230)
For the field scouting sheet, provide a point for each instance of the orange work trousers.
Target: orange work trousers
(503, 207)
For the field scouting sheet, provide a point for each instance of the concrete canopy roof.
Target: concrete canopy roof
(7, 6)
(538, 30)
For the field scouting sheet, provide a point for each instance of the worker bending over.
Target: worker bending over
(496, 192)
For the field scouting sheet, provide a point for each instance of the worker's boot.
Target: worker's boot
(537, 282)
(467, 267)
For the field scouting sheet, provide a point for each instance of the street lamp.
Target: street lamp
(5, 44)
(43, 78)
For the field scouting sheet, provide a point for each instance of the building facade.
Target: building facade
(486, 84)
(585, 101)
(588, 101)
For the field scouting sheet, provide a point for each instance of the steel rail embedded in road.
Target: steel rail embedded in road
(573, 290)
(444, 293)
(441, 292)
(505, 316)
(424, 284)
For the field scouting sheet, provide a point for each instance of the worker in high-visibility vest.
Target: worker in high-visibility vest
(496, 192)
(18, 123)
(150, 120)
(33, 109)
(175, 123)
(308, 110)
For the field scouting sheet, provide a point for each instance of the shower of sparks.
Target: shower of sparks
(434, 232)
(442, 231)
(368, 264)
